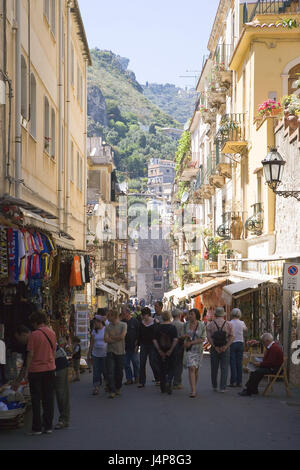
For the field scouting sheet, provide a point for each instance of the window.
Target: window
(78, 81)
(72, 161)
(79, 171)
(46, 125)
(53, 134)
(155, 262)
(24, 105)
(33, 106)
(47, 9)
(53, 17)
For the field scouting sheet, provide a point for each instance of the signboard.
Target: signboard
(82, 324)
(291, 277)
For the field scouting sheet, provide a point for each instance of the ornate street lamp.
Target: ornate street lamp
(273, 169)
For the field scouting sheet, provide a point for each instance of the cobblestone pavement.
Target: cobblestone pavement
(146, 419)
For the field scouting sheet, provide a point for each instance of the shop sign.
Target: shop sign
(291, 277)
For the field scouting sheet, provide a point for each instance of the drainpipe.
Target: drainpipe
(18, 132)
(60, 115)
(68, 166)
(85, 175)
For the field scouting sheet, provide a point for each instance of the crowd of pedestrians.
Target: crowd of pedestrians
(125, 342)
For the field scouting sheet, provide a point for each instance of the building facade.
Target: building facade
(44, 171)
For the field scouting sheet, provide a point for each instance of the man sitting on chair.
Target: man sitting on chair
(271, 363)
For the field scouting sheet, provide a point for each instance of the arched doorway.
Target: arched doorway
(294, 75)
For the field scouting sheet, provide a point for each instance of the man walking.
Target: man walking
(40, 368)
(114, 336)
(131, 347)
(220, 335)
(158, 306)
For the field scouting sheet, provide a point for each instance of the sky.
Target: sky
(164, 39)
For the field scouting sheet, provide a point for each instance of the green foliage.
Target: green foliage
(183, 186)
(172, 100)
(130, 114)
(184, 147)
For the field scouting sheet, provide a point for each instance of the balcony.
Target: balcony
(191, 168)
(216, 96)
(215, 179)
(267, 7)
(233, 226)
(221, 72)
(255, 224)
(231, 134)
(223, 165)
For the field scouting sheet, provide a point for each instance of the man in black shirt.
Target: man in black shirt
(165, 341)
(131, 347)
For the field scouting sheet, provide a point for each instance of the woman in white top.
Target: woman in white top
(237, 348)
(98, 351)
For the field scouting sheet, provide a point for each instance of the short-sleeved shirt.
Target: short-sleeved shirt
(165, 329)
(238, 329)
(43, 354)
(118, 347)
(100, 347)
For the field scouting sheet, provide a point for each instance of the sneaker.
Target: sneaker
(60, 425)
(35, 433)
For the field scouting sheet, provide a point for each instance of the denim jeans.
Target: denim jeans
(62, 395)
(221, 360)
(115, 366)
(99, 369)
(145, 351)
(236, 363)
(132, 357)
(42, 390)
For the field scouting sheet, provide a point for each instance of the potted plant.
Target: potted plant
(223, 76)
(269, 108)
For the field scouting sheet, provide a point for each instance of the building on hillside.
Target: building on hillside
(243, 224)
(103, 231)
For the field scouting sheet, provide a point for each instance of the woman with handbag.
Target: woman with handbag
(195, 334)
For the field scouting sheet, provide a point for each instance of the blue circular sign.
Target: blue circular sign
(293, 270)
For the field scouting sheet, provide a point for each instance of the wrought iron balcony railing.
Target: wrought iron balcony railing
(255, 224)
(231, 134)
(233, 226)
(275, 7)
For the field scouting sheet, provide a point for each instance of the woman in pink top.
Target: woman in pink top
(40, 369)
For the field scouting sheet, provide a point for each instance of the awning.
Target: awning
(233, 290)
(193, 290)
(106, 289)
(117, 287)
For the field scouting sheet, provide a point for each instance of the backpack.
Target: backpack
(165, 341)
(219, 337)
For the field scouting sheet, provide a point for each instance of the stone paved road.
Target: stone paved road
(145, 419)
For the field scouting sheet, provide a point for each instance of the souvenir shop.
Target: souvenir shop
(34, 271)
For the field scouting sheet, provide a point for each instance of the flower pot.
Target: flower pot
(276, 111)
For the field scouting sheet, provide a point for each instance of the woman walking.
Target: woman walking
(97, 352)
(146, 336)
(237, 348)
(195, 334)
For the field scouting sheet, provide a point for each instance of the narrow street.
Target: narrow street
(146, 420)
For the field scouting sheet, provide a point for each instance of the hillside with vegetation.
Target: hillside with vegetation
(120, 113)
(176, 102)
(127, 120)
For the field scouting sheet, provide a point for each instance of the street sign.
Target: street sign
(291, 277)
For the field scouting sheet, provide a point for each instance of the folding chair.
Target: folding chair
(281, 374)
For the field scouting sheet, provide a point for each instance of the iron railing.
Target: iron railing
(232, 128)
(277, 7)
(223, 54)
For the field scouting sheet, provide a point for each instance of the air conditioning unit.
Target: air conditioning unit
(222, 262)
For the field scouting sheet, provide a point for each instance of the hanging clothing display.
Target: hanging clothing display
(75, 278)
(3, 254)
